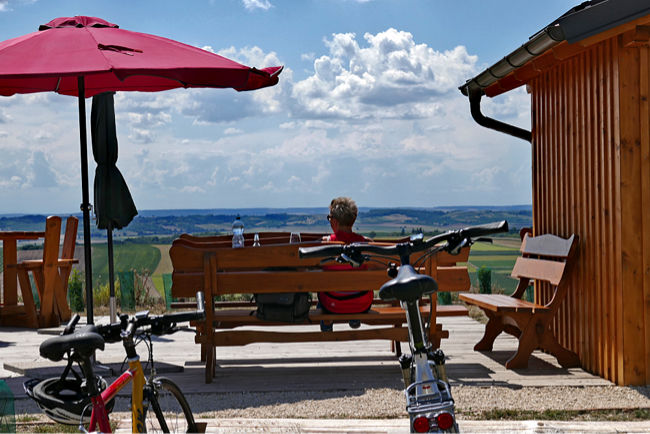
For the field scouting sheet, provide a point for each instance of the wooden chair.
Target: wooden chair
(546, 258)
(50, 276)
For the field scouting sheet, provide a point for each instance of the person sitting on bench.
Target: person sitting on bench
(342, 215)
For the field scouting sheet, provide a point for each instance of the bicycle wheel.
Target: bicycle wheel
(168, 410)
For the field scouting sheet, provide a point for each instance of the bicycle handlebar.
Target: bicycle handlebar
(455, 239)
(159, 324)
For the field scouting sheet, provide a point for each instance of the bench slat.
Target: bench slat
(385, 314)
(187, 283)
(501, 303)
(453, 279)
(541, 269)
(185, 255)
(297, 281)
(547, 245)
(244, 337)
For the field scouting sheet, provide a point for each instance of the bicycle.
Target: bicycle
(157, 403)
(429, 402)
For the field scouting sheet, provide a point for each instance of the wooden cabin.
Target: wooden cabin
(588, 75)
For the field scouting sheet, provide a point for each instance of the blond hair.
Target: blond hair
(344, 210)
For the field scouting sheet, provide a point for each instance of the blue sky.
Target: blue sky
(366, 107)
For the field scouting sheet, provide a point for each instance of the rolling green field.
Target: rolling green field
(500, 258)
(127, 256)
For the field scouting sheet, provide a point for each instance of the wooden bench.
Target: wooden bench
(545, 258)
(209, 267)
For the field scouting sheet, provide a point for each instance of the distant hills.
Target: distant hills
(372, 221)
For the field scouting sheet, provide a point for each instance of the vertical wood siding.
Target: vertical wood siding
(591, 176)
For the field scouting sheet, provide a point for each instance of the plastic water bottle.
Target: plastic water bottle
(237, 233)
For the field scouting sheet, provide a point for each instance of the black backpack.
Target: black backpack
(283, 307)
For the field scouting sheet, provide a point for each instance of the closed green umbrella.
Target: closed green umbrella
(114, 205)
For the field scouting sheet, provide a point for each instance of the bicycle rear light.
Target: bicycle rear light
(444, 420)
(421, 424)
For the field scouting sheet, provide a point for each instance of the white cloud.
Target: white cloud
(257, 4)
(390, 76)
(232, 131)
(140, 135)
(40, 172)
(192, 189)
(148, 120)
(4, 117)
(227, 105)
(4, 6)
(307, 56)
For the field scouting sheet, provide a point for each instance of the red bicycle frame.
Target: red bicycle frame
(99, 415)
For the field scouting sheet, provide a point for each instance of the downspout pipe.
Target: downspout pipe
(475, 94)
(538, 44)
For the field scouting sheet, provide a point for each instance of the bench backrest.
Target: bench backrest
(546, 258)
(272, 268)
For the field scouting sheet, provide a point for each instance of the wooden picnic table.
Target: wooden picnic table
(211, 265)
(9, 261)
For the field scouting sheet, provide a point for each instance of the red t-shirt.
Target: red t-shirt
(336, 305)
(347, 237)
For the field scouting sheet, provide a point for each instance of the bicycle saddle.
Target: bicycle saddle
(409, 285)
(83, 342)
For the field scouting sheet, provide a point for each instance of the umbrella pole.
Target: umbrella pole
(111, 272)
(85, 201)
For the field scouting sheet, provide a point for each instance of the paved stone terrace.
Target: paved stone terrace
(336, 366)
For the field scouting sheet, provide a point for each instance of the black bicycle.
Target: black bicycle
(157, 403)
(429, 402)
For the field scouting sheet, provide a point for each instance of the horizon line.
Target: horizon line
(230, 210)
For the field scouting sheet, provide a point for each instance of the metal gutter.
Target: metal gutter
(538, 44)
(587, 19)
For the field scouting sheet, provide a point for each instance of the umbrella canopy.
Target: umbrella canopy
(114, 205)
(85, 56)
(113, 59)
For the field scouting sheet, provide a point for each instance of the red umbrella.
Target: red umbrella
(84, 56)
(113, 59)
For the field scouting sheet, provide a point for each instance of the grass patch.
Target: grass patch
(487, 247)
(157, 280)
(126, 256)
(46, 427)
(477, 314)
(635, 414)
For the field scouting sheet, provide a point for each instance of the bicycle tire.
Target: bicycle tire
(168, 410)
